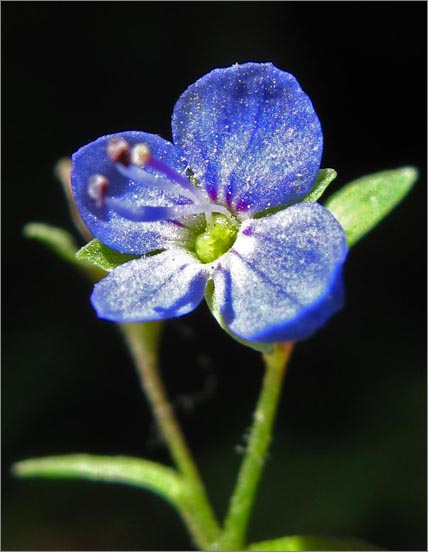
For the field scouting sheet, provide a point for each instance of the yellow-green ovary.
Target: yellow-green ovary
(215, 241)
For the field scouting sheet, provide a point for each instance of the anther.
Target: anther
(118, 151)
(97, 188)
(140, 155)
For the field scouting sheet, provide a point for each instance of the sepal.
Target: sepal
(101, 256)
(324, 178)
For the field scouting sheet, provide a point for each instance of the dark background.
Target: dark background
(349, 453)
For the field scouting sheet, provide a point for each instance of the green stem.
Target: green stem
(242, 500)
(143, 342)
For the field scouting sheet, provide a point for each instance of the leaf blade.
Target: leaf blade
(62, 243)
(113, 469)
(57, 239)
(161, 480)
(302, 542)
(363, 203)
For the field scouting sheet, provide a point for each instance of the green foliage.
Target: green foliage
(362, 204)
(165, 482)
(62, 243)
(324, 178)
(101, 256)
(58, 240)
(301, 542)
(113, 469)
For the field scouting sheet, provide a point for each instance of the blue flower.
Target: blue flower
(218, 211)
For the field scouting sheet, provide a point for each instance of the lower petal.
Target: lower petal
(282, 280)
(162, 286)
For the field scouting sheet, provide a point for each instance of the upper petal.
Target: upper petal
(158, 287)
(106, 224)
(282, 279)
(251, 135)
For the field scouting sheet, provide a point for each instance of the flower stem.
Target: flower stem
(143, 341)
(243, 497)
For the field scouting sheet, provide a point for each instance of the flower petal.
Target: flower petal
(107, 224)
(158, 287)
(282, 279)
(251, 136)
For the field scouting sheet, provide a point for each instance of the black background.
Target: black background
(349, 453)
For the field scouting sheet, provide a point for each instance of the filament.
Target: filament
(130, 162)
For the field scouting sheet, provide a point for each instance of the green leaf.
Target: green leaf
(58, 240)
(209, 297)
(102, 256)
(165, 482)
(300, 542)
(362, 204)
(62, 244)
(113, 469)
(324, 178)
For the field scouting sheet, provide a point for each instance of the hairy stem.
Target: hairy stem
(243, 497)
(143, 341)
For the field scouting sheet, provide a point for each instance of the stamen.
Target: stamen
(161, 167)
(118, 151)
(209, 219)
(140, 155)
(152, 213)
(97, 188)
(222, 210)
(155, 213)
(130, 162)
(159, 183)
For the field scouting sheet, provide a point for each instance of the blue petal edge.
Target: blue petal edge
(282, 280)
(251, 135)
(162, 286)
